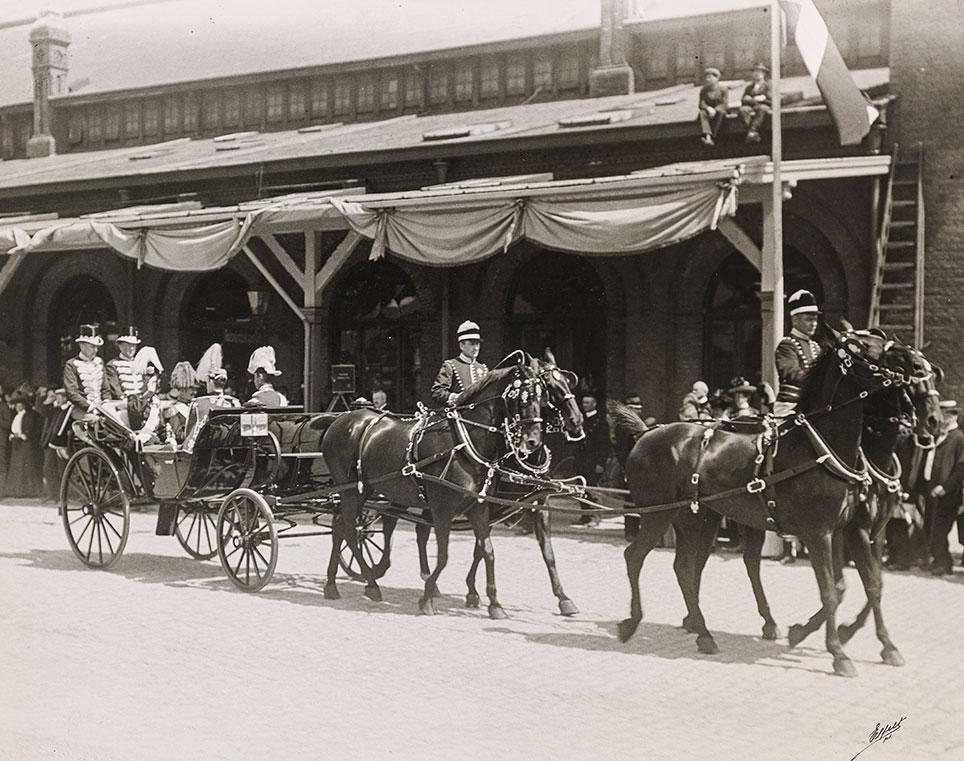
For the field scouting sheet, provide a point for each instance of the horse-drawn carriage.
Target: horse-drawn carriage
(248, 478)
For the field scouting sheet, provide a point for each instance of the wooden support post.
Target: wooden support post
(338, 257)
(9, 269)
(284, 257)
(315, 364)
(273, 282)
(741, 242)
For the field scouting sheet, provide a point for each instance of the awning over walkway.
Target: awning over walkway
(454, 226)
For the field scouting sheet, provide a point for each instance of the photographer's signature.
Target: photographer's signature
(882, 733)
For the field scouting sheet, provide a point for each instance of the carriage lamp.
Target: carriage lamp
(258, 301)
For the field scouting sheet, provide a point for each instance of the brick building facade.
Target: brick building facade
(654, 322)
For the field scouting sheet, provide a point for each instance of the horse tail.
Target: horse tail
(626, 419)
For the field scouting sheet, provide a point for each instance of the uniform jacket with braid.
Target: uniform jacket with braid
(454, 377)
(85, 382)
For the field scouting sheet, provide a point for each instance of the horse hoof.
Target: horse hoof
(332, 593)
(796, 635)
(892, 657)
(771, 632)
(373, 593)
(496, 613)
(843, 666)
(427, 606)
(687, 626)
(471, 601)
(707, 645)
(568, 608)
(627, 628)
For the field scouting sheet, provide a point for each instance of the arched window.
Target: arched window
(377, 330)
(218, 310)
(82, 300)
(558, 301)
(733, 336)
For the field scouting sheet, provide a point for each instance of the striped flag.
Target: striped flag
(851, 112)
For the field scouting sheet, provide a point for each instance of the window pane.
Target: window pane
(366, 94)
(190, 112)
(568, 72)
(869, 39)
(132, 119)
(232, 108)
(253, 108)
(276, 103)
(413, 89)
(464, 79)
(113, 122)
(542, 73)
(686, 59)
(172, 115)
(489, 79)
(75, 126)
(319, 99)
(95, 126)
(657, 61)
(389, 97)
(152, 117)
(438, 84)
(515, 76)
(209, 110)
(342, 97)
(7, 138)
(297, 109)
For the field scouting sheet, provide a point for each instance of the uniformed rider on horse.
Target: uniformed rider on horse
(797, 352)
(458, 373)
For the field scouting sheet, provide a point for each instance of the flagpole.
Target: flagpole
(771, 274)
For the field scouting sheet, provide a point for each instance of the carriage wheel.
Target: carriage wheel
(95, 508)
(371, 540)
(197, 530)
(247, 540)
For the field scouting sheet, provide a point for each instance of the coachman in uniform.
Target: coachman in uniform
(797, 352)
(460, 372)
(85, 377)
(122, 378)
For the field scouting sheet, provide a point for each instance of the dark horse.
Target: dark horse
(443, 462)
(815, 469)
(559, 383)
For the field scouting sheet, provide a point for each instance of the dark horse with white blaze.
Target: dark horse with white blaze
(442, 462)
(815, 470)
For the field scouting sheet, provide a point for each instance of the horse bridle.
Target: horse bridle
(559, 426)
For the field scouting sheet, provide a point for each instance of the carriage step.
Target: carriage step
(894, 286)
(899, 265)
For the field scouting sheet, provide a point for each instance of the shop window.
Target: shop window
(75, 126)
(377, 330)
(687, 59)
(254, 108)
(567, 73)
(7, 144)
(190, 112)
(657, 60)
(95, 124)
(869, 41)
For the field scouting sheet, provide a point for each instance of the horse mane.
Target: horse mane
(815, 380)
(626, 419)
(474, 392)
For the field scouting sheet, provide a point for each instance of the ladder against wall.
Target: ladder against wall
(897, 296)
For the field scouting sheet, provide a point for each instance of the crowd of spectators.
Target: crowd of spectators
(32, 439)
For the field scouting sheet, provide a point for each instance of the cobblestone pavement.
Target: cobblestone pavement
(161, 658)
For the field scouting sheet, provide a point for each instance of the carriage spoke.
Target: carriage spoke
(90, 519)
(254, 562)
(90, 540)
(207, 520)
(247, 567)
(111, 526)
(237, 568)
(100, 546)
(107, 539)
(229, 554)
(263, 558)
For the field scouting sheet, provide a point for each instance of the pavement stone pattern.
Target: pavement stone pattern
(162, 658)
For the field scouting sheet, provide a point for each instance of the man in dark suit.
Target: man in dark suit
(593, 451)
(944, 487)
(714, 100)
(756, 104)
